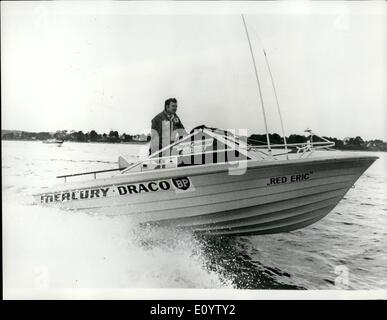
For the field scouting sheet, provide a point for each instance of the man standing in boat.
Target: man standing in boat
(166, 127)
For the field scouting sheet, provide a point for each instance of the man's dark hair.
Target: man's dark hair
(168, 101)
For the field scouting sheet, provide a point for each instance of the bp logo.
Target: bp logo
(181, 183)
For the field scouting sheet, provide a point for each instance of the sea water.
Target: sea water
(48, 247)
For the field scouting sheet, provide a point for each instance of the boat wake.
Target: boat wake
(48, 247)
(231, 258)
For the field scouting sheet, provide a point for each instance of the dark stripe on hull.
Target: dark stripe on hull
(254, 215)
(281, 225)
(252, 211)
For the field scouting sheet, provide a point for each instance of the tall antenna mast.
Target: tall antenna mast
(278, 106)
(275, 94)
(258, 83)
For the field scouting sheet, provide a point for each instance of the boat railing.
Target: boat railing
(173, 161)
(154, 163)
(302, 149)
(94, 173)
(165, 162)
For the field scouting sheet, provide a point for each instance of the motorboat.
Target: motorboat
(58, 142)
(214, 181)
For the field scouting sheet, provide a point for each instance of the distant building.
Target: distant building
(140, 137)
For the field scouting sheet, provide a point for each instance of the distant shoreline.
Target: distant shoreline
(96, 142)
(76, 136)
(346, 144)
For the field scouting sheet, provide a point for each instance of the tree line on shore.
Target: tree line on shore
(77, 136)
(352, 143)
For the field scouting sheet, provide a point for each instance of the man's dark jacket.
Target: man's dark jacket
(157, 124)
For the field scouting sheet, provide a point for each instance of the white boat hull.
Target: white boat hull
(271, 197)
(53, 141)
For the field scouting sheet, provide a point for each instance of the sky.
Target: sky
(110, 65)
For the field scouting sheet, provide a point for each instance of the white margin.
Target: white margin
(190, 294)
